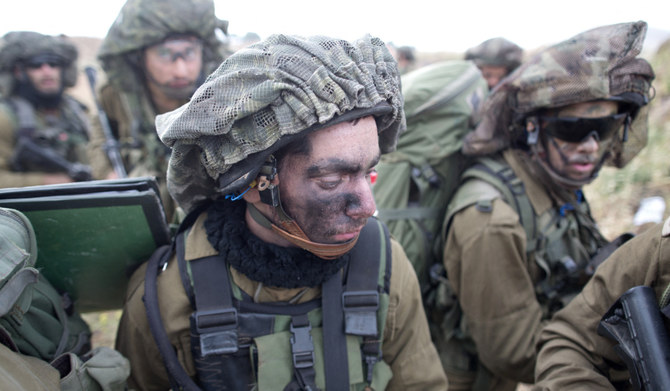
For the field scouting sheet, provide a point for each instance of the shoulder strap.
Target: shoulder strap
(25, 116)
(513, 190)
(368, 275)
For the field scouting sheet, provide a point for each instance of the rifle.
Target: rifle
(111, 144)
(634, 322)
(29, 156)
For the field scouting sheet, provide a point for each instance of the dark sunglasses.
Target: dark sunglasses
(39, 64)
(46, 58)
(575, 129)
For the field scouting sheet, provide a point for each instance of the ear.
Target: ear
(252, 196)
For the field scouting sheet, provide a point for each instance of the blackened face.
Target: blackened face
(578, 160)
(326, 189)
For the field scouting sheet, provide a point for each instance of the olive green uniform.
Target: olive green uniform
(406, 347)
(20, 372)
(72, 143)
(496, 282)
(572, 356)
(131, 116)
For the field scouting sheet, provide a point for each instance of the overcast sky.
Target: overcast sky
(427, 25)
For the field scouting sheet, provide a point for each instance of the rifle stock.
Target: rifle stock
(29, 156)
(111, 144)
(635, 323)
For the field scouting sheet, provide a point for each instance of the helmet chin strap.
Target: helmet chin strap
(290, 231)
(287, 227)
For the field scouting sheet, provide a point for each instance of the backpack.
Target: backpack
(43, 340)
(35, 319)
(327, 342)
(416, 182)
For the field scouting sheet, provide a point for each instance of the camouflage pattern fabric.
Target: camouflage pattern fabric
(266, 93)
(597, 64)
(142, 23)
(20, 46)
(496, 52)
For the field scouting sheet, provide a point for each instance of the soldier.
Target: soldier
(272, 157)
(571, 353)
(155, 55)
(495, 58)
(43, 132)
(520, 238)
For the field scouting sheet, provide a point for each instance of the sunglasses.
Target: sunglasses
(39, 64)
(38, 61)
(575, 129)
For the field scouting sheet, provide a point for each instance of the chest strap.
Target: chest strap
(216, 317)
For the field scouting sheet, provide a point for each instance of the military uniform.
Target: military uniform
(499, 283)
(126, 99)
(65, 132)
(20, 372)
(571, 354)
(406, 347)
(513, 258)
(54, 122)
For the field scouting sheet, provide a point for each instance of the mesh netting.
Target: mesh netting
(598, 64)
(263, 95)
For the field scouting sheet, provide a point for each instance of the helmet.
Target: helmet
(597, 64)
(496, 52)
(20, 46)
(269, 94)
(143, 23)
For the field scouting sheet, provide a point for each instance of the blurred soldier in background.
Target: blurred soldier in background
(496, 58)
(520, 238)
(155, 55)
(43, 132)
(406, 58)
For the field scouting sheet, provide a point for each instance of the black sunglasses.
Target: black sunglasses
(575, 129)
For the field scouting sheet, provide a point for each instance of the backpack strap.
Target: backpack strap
(501, 176)
(13, 288)
(25, 117)
(360, 299)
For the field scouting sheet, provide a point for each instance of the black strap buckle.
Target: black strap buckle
(360, 312)
(217, 329)
(302, 346)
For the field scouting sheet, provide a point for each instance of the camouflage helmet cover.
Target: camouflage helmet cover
(597, 64)
(268, 94)
(142, 23)
(496, 52)
(20, 46)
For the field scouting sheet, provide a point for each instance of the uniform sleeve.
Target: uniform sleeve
(9, 178)
(134, 338)
(407, 346)
(485, 258)
(571, 354)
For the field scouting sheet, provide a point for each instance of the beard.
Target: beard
(26, 89)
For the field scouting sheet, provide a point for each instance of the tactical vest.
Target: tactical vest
(558, 240)
(333, 342)
(142, 151)
(561, 241)
(66, 133)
